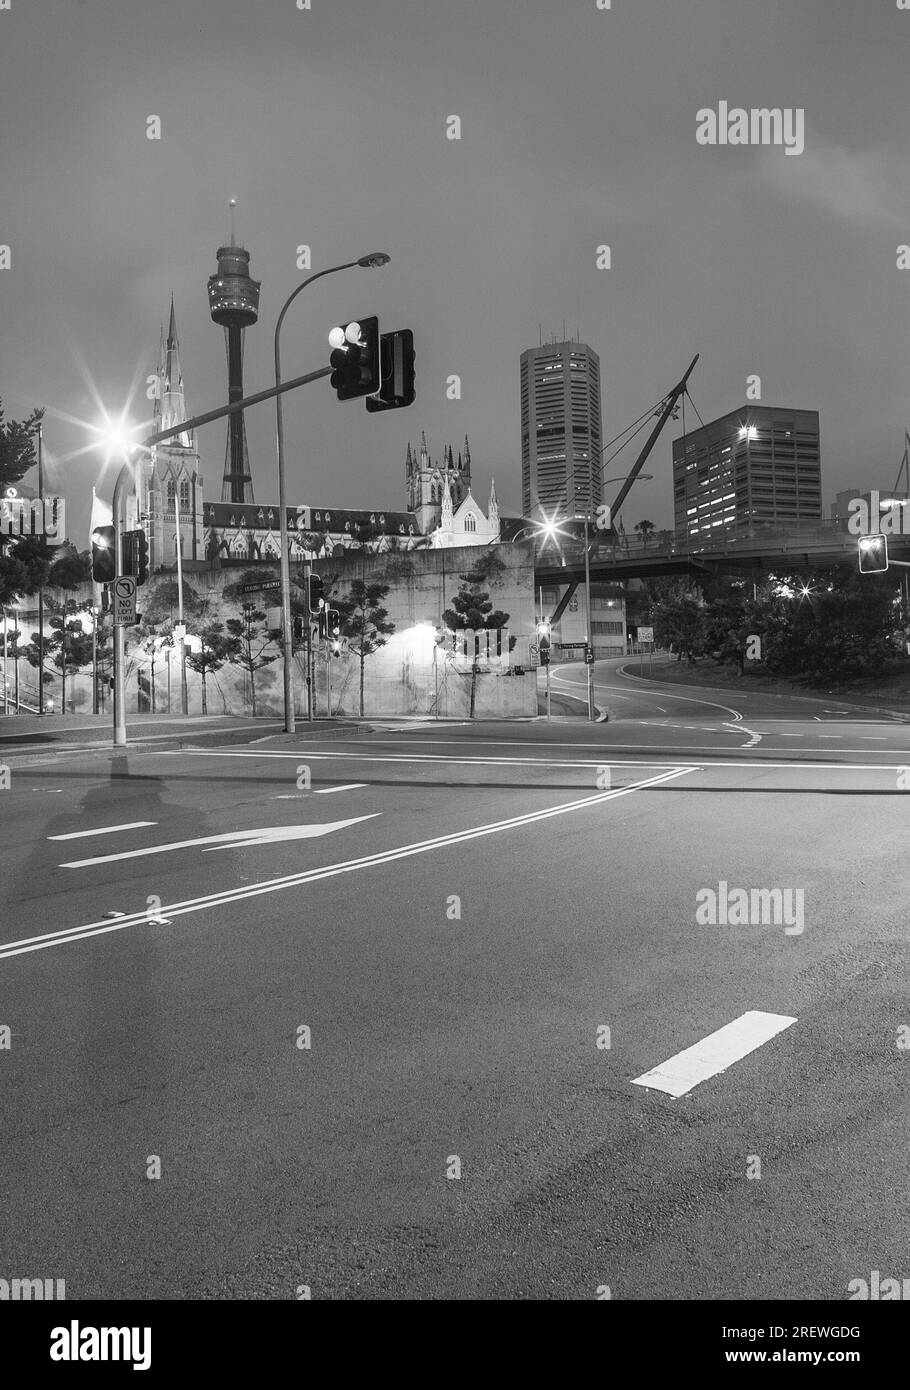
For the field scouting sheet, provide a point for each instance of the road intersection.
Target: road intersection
(488, 938)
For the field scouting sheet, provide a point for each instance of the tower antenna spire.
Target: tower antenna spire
(232, 205)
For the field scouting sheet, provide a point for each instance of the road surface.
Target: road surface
(453, 1011)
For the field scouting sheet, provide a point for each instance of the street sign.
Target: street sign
(589, 656)
(646, 634)
(271, 586)
(123, 592)
(180, 632)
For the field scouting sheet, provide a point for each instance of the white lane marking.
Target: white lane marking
(715, 1053)
(629, 676)
(348, 787)
(103, 830)
(754, 736)
(405, 758)
(873, 738)
(254, 890)
(542, 762)
(234, 839)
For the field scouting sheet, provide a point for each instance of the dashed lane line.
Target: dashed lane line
(715, 1053)
(103, 830)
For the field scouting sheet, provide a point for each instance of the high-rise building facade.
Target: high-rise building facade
(758, 466)
(561, 429)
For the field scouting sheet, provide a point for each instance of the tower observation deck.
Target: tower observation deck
(234, 304)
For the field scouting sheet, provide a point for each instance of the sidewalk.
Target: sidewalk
(87, 731)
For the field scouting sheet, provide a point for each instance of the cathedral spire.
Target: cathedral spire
(172, 399)
(493, 509)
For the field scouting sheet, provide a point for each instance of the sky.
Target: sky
(578, 129)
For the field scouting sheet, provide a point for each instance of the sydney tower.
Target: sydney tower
(234, 303)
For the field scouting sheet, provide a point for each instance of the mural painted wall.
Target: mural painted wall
(237, 664)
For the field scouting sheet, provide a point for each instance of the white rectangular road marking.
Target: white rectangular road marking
(103, 830)
(348, 787)
(715, 1053)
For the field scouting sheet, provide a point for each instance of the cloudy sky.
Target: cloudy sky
(578, 128)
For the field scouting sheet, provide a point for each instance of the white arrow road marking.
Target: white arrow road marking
(348, 787)
(715, 1053)
(234, 839)
(102, 830)
(741, 729)
(68, 935)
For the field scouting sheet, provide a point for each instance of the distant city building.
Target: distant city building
(561, 429)
(758, 466)
(608, 621)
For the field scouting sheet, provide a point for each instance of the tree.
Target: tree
(216, 647)
(70, 567)
(644, 529)
(69, 644)
(472, 610)
(677, 623)
(365, 621)
(252, 639)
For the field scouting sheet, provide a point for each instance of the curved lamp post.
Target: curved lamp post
(376, 258)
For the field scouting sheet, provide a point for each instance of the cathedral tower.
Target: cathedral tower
(175, 485)
(427, 481)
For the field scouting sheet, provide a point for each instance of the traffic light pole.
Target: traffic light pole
(589, 635)
(125, 475)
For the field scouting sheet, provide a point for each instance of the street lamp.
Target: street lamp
(375, 258)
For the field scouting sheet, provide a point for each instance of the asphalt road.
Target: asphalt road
(351, 1036)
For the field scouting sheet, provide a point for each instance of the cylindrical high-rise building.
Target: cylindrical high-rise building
(234, 303)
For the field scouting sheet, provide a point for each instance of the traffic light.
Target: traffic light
(136, 555)
(334, 622)
(396, 359)
(873, 554)
(103, 557)
(316, 598)
(336, 646)
(355, 358)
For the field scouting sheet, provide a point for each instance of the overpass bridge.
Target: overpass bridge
(561, 560)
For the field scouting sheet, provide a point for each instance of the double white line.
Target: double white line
(253, 890)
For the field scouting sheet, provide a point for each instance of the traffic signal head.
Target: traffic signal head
(336, 647)
(355, 358)
(316, 595)
(335, 622)
(136, 555)
(396, 359)
(543, 628)
(104, 565)
(873, 554)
